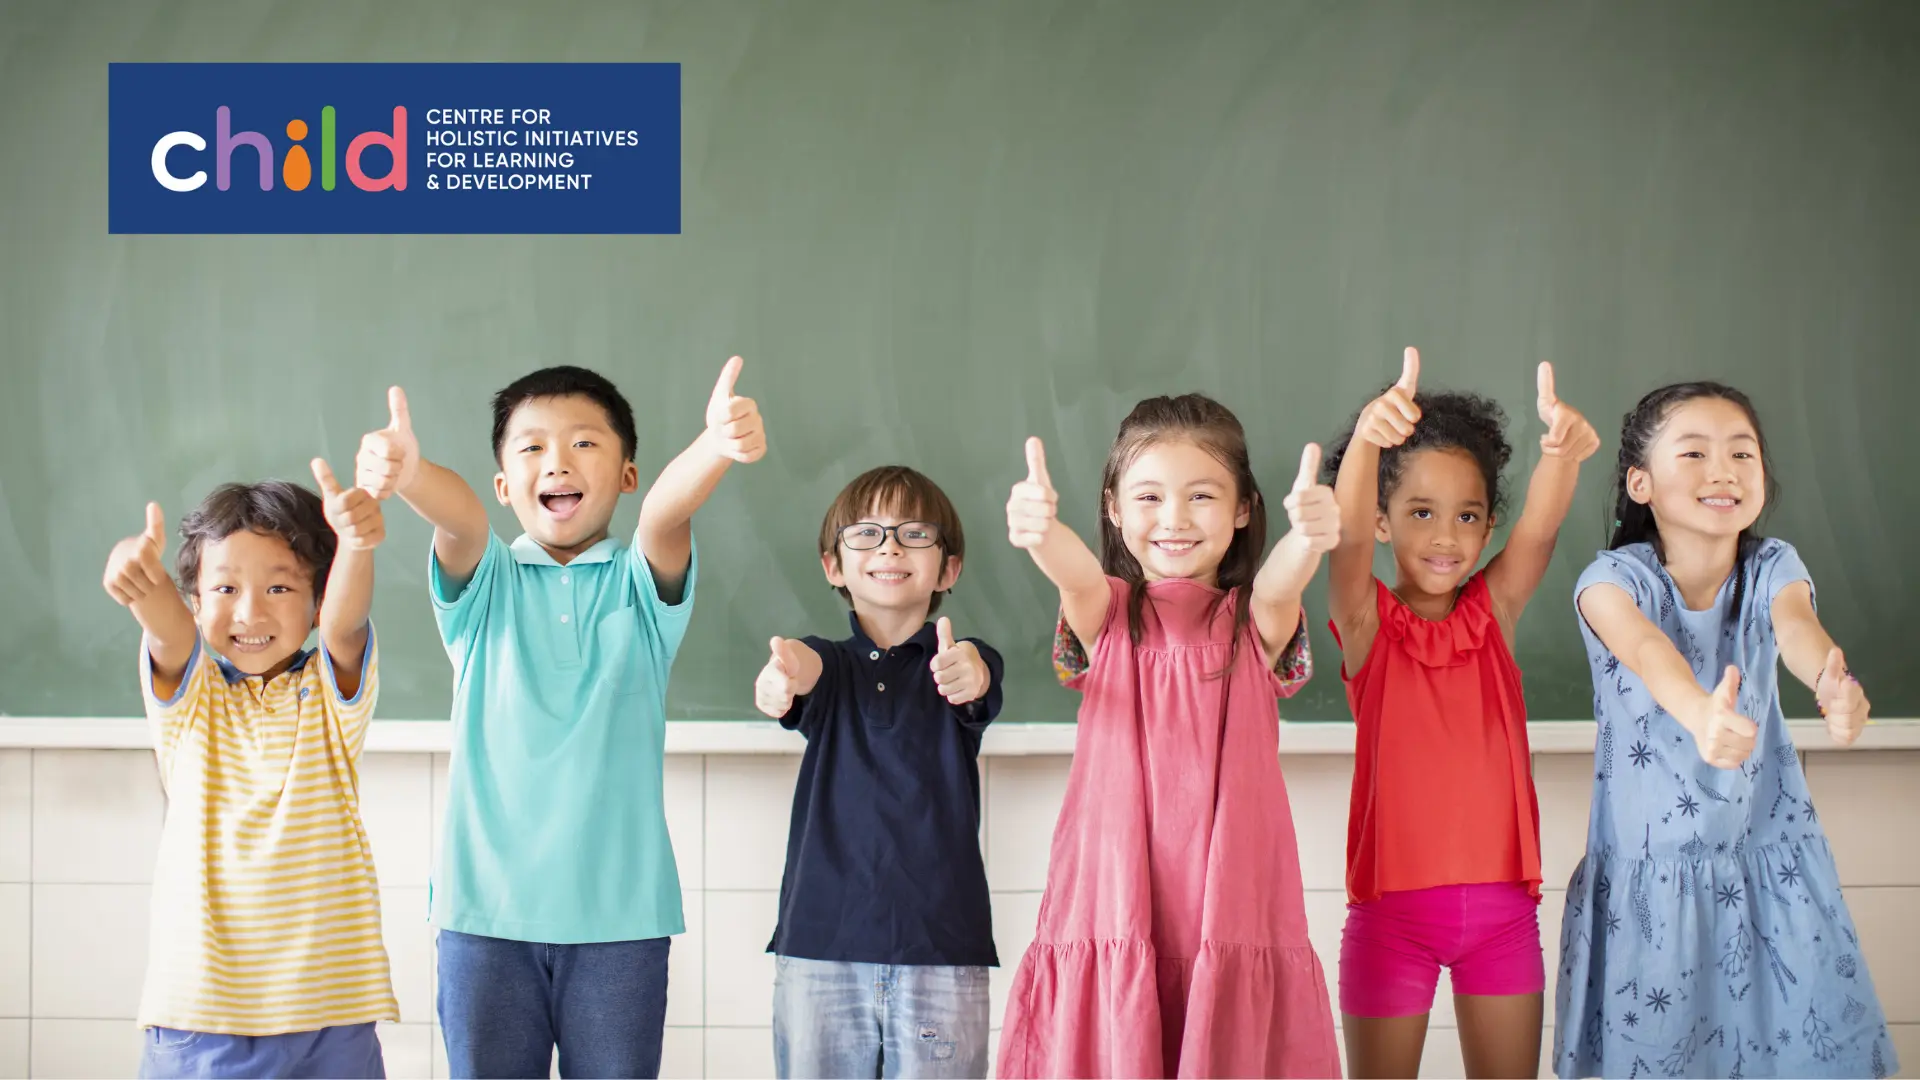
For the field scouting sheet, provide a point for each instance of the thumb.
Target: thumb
(323, 475)
(1037, 463)
(1548, 399)
(1835, 670)
(398, 417)
(779, 658)
(1309, 468)
(1410, 371)
(1727, 694)
(729, 375)
(156, 531)
(944, 631)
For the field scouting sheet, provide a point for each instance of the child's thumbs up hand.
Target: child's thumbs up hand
(1569, 435)
(134, 567)
(389, 458)
(353, 512)
(734, 427)
(1388, 420)
(1723, 736)
(1034, 505)
(1841, 700)
(1312, 512)
(959, 672)
(778, 684)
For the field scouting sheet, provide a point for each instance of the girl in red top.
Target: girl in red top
(1443, 835)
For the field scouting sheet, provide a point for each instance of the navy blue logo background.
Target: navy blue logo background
(490, 148)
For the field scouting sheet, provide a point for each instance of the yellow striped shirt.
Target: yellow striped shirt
(266, 909)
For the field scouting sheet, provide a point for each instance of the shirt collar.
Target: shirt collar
(927, 638)
(528, 550)
(234, 675)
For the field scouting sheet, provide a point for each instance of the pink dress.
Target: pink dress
(1173, 934)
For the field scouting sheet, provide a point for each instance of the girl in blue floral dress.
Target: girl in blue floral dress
(1705, 933)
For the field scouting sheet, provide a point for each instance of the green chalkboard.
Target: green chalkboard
(934, 228)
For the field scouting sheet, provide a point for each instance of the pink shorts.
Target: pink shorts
(1393, 948)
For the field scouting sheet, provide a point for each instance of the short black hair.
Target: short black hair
(565, 381)
(1449, 420)
(273, 507)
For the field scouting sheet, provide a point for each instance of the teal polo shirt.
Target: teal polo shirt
(555, 829)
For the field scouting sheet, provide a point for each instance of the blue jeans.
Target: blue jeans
(352, 1051)
(504, 1006)
(833, 1019)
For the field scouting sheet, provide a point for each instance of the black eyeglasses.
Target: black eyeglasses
(867, 535)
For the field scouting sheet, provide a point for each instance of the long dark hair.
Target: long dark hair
(1211, 426)
(1633, 522)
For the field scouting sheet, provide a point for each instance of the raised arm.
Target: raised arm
(1033, 524)
(1314, 518)
(355, 516)
(734, 432)
(1387, 421)
(1515, 573)
(1816, 661)
(1722, 735)
(389, 463)
(137, 580)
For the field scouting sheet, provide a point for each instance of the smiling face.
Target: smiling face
(254, 601)
(893, 577)
(1177, 508)
(563, 470)
(1437, 520)
(1702, 473)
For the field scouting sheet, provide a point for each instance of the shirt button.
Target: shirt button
(564, 579)
(874, 655)
(563, 618)
(883, 688)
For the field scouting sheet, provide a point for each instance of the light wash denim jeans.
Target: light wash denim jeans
(833, 1019)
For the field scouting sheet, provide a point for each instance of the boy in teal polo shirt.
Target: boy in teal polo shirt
(556, 892)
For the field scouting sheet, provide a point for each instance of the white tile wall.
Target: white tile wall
(1317, 789)
(745, 1052)
(403, 921)
(16, 936)
(396, 806)
(749, 803)
(683, 1053)
(687, 963)
(1025, 794)
(96, 816)
(408, 1050)
(13, 1047)
(89, 950)
(16, 817)
(78, 830)
(739, 971)
(83, 1049)
(1870, 806)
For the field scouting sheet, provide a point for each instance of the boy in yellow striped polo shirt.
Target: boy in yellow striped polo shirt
(265, 958)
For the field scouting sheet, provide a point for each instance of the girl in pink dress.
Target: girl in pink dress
(1173, 937)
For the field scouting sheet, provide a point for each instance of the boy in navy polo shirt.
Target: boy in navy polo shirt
(885, 932)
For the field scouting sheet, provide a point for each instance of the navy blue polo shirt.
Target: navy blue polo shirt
(883, 853)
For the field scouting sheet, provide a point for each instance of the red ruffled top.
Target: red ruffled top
(1442, 782)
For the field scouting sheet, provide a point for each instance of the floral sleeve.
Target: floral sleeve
(1069, 656)
(1296, 662)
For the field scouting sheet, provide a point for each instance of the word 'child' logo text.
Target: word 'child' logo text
(296, 169)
